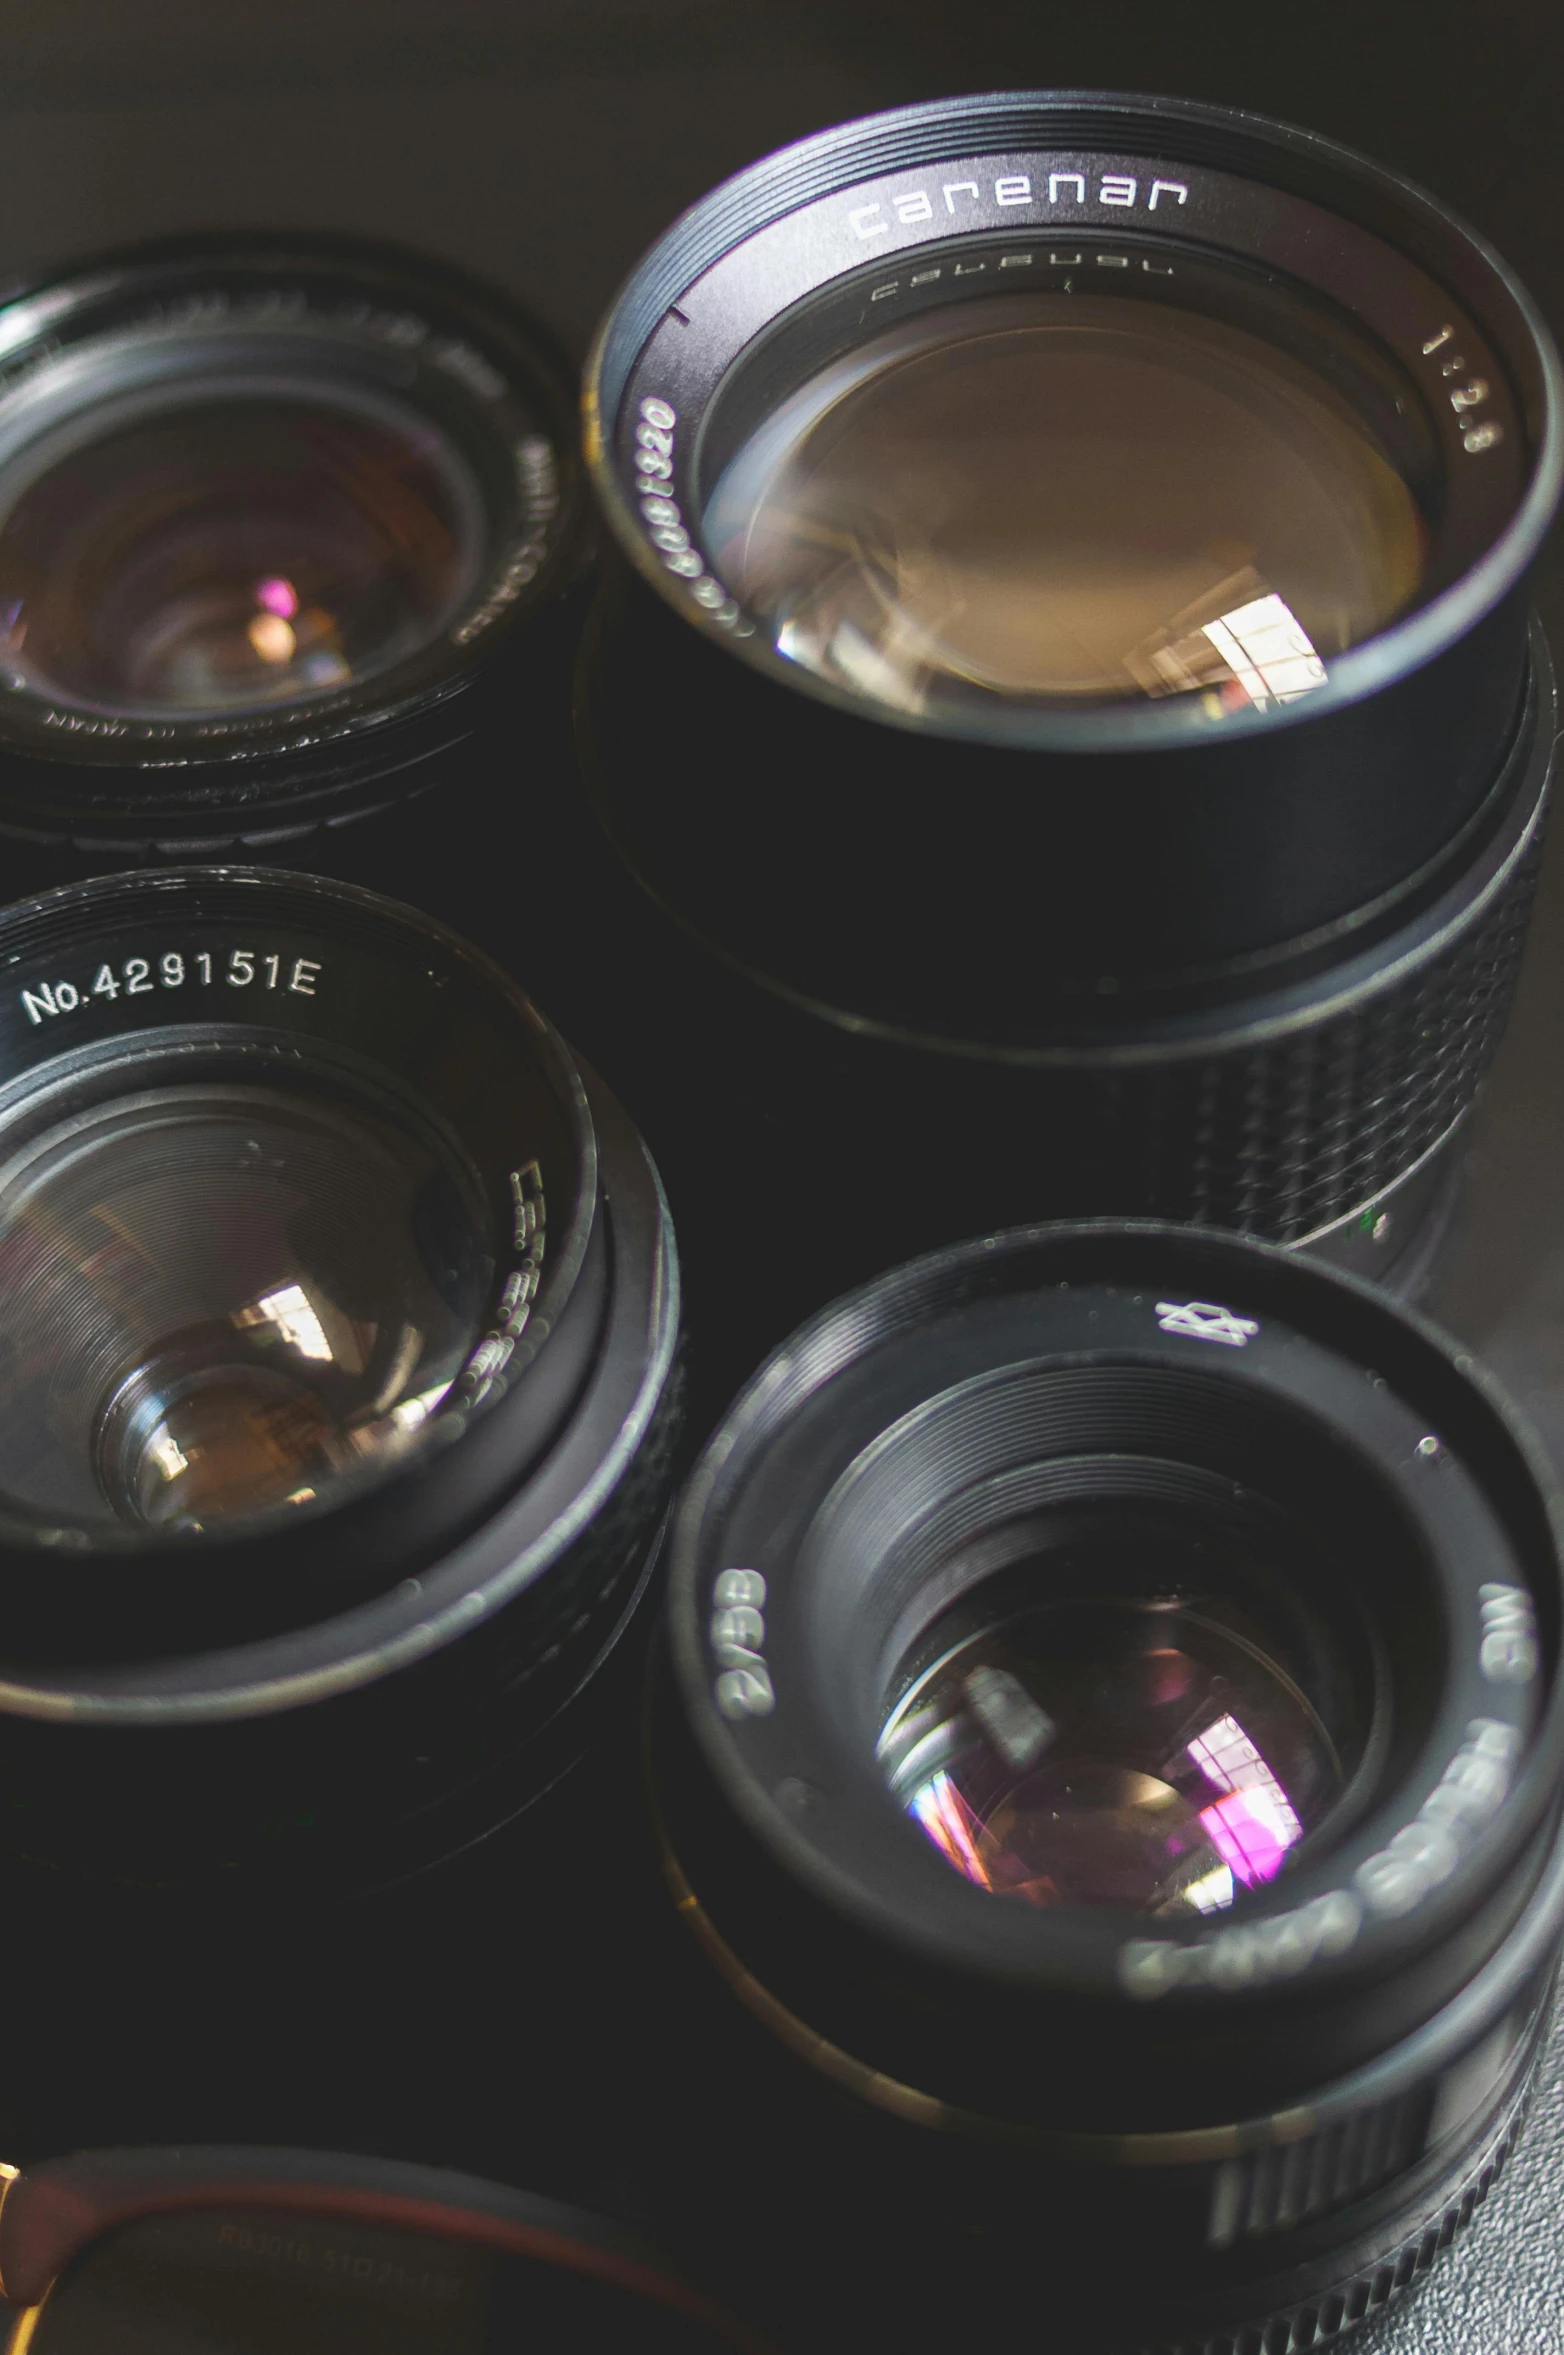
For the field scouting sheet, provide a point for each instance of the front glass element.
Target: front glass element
(1067, 499)
(1153, 1755)
(224, 1298)
(228, 551)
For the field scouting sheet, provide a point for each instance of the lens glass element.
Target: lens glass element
(229, 551)
(1150, 1751)
(221, 1298)
(1067, 497)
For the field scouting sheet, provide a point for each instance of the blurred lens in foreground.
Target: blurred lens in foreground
(269, 2282)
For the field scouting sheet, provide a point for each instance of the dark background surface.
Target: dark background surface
(546, 145)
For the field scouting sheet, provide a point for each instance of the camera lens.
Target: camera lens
(337, 1381)
(1112, 1733)
(277, 518)
(1082, 545)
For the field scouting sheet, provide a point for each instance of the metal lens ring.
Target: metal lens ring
(983, 413)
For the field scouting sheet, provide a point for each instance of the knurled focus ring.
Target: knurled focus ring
(1283, 1139)
(1319, 2320)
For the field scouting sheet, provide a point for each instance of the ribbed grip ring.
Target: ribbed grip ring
(1319, 2321)
(1277, 1135)
(1283, 1139)
(846, 1140)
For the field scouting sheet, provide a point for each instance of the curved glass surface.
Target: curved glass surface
(1070, 499)
(222, 1298)
(1155, 1754)
(229, 548)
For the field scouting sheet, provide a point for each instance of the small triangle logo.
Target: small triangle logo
(1203, 1320)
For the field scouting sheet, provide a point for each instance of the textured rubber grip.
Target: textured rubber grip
(1361, 2295)
(1282, 1140)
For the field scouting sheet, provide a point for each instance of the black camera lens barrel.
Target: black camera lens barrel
(280, 516)
(1277, 2095)
(1260, 826)
(1240, 958)
(1316, 1108)
(385, 1600)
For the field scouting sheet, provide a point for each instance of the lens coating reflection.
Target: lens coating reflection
(1152, 1755)
(229, 553)
(224, 1298)
(1066, 497)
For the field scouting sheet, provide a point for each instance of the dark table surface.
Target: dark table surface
(545, 142)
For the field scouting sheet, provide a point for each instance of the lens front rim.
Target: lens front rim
(1069, 126)
(63, 2208)
(886, 1886)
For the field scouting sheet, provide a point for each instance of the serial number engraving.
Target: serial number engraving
(136, 977)
(290, 2248)
(664, 520)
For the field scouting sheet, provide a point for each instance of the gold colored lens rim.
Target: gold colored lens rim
(1193, 2147)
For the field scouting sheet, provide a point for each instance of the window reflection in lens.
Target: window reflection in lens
(1152, 1756)
(223, 1298)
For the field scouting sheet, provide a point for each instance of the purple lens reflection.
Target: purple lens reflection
(232, 553)
(1150, 1756)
